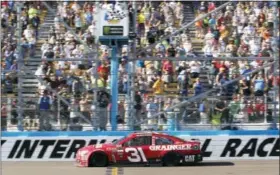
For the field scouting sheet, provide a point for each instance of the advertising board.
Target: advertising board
(56, 147)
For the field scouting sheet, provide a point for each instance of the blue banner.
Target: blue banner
(124, 133)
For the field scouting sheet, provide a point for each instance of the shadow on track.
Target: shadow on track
(185, 165)
(211, 164)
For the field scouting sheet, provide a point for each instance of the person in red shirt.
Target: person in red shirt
(167, 72)
(260, 110)
(250, 111)
(103, 71)
(4, 4)
(211, 6)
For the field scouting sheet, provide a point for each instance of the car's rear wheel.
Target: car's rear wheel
(171, 159)
(98, 159)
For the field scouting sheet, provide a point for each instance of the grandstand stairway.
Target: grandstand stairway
(189, 16)
(30, 83)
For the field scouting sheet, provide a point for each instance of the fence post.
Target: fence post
(265, 109)
(276, 59)
(58, 114)
(20, 60)
(9, 111)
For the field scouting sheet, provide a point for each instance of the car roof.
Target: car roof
(148, 133)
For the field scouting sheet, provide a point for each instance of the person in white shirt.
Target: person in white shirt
(188, 46)
(32, 43)
(243, 18)
(29, 32)
(62, 64)
(194, 69)
(240, 28)
(150, 74)
(257, 11)
(253, 18)
(235, 20)
(44, 47)
(179, 13)
(208, 49)
(222, 47)
(250, 30)
(216, 51)
(76, 7)
(152, 109)
(254, 47)
(209, 37)
(40, 72)
(270, 18)
(208, 53)
(57, 22)
(92, 28)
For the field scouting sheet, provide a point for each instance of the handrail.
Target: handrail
(71, 30)
(157, 58)
(182, 28)
(192, 99)
(59, 96)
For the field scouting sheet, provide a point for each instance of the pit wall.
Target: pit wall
(62, 146)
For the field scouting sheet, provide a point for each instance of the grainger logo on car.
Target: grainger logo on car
(170, 147)
(65, 148)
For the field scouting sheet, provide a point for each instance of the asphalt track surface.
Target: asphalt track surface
(266, 167)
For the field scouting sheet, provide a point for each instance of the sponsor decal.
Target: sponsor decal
(48, 149)
(236, 147)
(170, 147)
(65, 148)
(252, 148)
(3, 141)
(114, 16)
(98, 146)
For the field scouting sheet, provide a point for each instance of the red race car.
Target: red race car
(141, 148)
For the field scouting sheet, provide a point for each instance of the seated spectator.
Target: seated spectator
(259, 85)
(158, 86)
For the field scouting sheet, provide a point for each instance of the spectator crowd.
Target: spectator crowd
(242, 29)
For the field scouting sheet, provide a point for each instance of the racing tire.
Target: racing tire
(171, 159)
(98, 159)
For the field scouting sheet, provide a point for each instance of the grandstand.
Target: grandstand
(222, 73)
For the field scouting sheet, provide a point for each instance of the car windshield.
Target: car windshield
(118, 140)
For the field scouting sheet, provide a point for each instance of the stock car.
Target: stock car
(141, 148)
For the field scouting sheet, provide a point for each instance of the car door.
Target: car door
(160, 144)
(136, 150)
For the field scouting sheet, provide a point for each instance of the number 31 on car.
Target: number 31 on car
(136, 155)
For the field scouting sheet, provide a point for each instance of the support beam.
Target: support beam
(204, 94)
(114, 88)
(95, 72)
(276, 59)
(130, 111)
(182, 28)
(20, 65)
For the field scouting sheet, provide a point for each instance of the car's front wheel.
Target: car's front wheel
(171, 159)
(98, 159)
